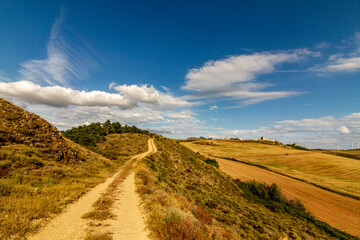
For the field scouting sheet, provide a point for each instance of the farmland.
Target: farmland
(333, 172)
(339, 211)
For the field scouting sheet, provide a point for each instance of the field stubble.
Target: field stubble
(339, 211)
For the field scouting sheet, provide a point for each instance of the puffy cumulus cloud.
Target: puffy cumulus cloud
(62, 97)
(149, 95)
(173, 122)
(62, 63)
(343, 129)
(234, 77)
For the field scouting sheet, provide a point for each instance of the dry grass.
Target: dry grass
(118, 146)
(101, 236)
(41, 171)
(190, 199)
(338, 211)
(353, 153)
(34, 188)
(337, 173)
(32, 193)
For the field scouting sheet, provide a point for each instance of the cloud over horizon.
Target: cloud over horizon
(323, 132)
(149, 95)
(235, 76)
(232, 82)
(62, 97)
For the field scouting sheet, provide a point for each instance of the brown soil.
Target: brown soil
(339, 211)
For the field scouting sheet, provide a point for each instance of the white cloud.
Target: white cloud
(4, 77)
(171, 123)
(323, 132)
(341, 62)
(112, 85)
(323, 45)
(234, 77)
(315, 122)
(343, 129)
(62, 63)
(61, 97)
(335, 57)
(213, 107)
(149, 95)
(341, 65)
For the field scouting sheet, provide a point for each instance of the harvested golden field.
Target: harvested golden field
(188, 197)
(337, 173)
(339, 211)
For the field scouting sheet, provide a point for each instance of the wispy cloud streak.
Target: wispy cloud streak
(62, 62)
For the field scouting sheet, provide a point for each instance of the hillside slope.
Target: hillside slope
(21, 127)
(41, 171)
(188, 198)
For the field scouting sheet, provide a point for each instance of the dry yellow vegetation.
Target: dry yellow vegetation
(187, 197)
(337, 173)
(339, 211)
(41, 171)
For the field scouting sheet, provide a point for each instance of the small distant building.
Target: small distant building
(224, 138)
(263, 138)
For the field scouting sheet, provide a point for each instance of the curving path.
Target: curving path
(129, 221)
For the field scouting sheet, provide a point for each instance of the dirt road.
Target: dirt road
(128, 222)
(339, 211)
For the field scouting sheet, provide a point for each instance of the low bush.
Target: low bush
(297, 147)
(212, 162)
(90, 135)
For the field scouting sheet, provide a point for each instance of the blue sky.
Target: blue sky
(288, 70)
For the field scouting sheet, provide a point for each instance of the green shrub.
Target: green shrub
(298, 147)
(212, 162)
(89, 135)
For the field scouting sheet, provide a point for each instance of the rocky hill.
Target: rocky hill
(18, 126)
(40, 171)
